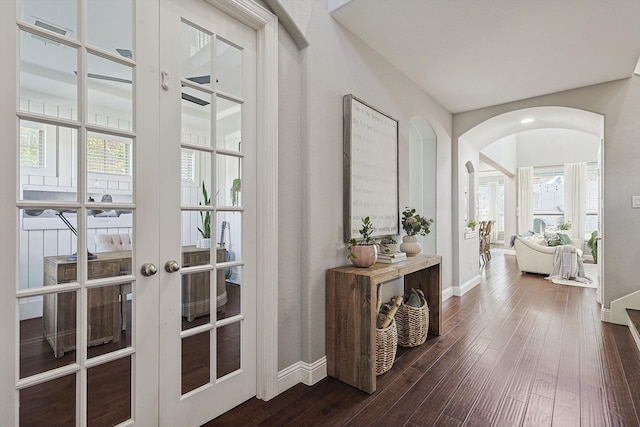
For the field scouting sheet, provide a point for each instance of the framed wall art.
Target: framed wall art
(370, 169)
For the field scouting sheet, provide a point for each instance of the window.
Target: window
(548, 196)
(188, 169)
(108, 156)
(32, 150)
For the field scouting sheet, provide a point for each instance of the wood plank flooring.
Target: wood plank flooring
(516, 350)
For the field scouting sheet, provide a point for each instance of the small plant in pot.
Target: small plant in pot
(414, 225)
(472, 224)
(205, 217)
(363, 252)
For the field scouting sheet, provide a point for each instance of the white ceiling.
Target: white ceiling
(470, 54)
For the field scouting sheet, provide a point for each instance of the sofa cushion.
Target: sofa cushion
(564, 239)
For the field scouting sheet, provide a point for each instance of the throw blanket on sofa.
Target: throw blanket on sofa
(562, 257)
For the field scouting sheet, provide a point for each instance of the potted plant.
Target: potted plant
(363, 252)
(205, 218)
(414, 225)
(564, 226)
(472, 224)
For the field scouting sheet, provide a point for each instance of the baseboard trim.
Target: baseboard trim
(301, 372)
(509, 252)
(466, 286)
(605, 315)
(447, 293)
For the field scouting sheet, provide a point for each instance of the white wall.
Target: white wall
(312, 85)
(553, 147)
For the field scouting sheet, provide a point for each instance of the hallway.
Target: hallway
(516, 350)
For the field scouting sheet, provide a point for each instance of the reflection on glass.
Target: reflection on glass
(48, 83)
(105, 306)
(109, 393)
(110, 90)
(228, 68)
(109, 170)
(53, 400)
(196, 170)
(230, 276)
(196, 357)
(36, 353)
(229, 178)
(229, 226)
(59, 322)
(196, 117)
(228, 125)
(59, 16)
(46, 156)
(196, 55)
(105, 15)
(196, 301)
(228, 349)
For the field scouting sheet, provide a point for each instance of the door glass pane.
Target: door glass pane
(196, 357)
(48, 83)
(105, 331)
(230, 226)
(57, 16)
(196, 299)
(228, 68)
(196, 117)
(232, 301)
(110, 93)
(196, 168)
(196, 55)
(47, 168)
(228, 349)
(39, 334)
(109, 170)
(109, 393)
(228, 178)
(53, 400)
(101, 15)
(229, 125)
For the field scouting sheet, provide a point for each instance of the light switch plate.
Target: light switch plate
(635, 202)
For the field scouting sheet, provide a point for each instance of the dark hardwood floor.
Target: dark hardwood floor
(516, 350)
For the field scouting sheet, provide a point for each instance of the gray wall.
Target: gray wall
(312, 84)
(619, 103)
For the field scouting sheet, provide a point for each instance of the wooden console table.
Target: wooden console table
(351, 313)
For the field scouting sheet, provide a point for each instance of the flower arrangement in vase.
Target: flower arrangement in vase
(414, 225)
(363, 252)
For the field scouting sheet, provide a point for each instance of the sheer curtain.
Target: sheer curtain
(525, 199)
(493, 209)
(575, 197)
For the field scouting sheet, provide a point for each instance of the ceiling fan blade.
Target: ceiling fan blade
(193, 99)
(201, 80)
(108, 78)
(125, 52)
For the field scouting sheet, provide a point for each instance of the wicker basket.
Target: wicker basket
(413, 324)
(386, 346)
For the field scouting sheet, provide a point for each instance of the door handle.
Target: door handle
(171, 266)
(148, 269)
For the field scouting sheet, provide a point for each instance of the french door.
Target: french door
(129, 199)
(207, 212)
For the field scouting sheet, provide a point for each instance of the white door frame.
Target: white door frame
(266, 25)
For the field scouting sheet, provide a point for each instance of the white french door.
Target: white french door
(131, 297)
(207, 212)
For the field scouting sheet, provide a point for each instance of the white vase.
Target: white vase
(410, 245)
(204, 244)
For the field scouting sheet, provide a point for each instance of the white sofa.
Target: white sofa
(537, 258)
